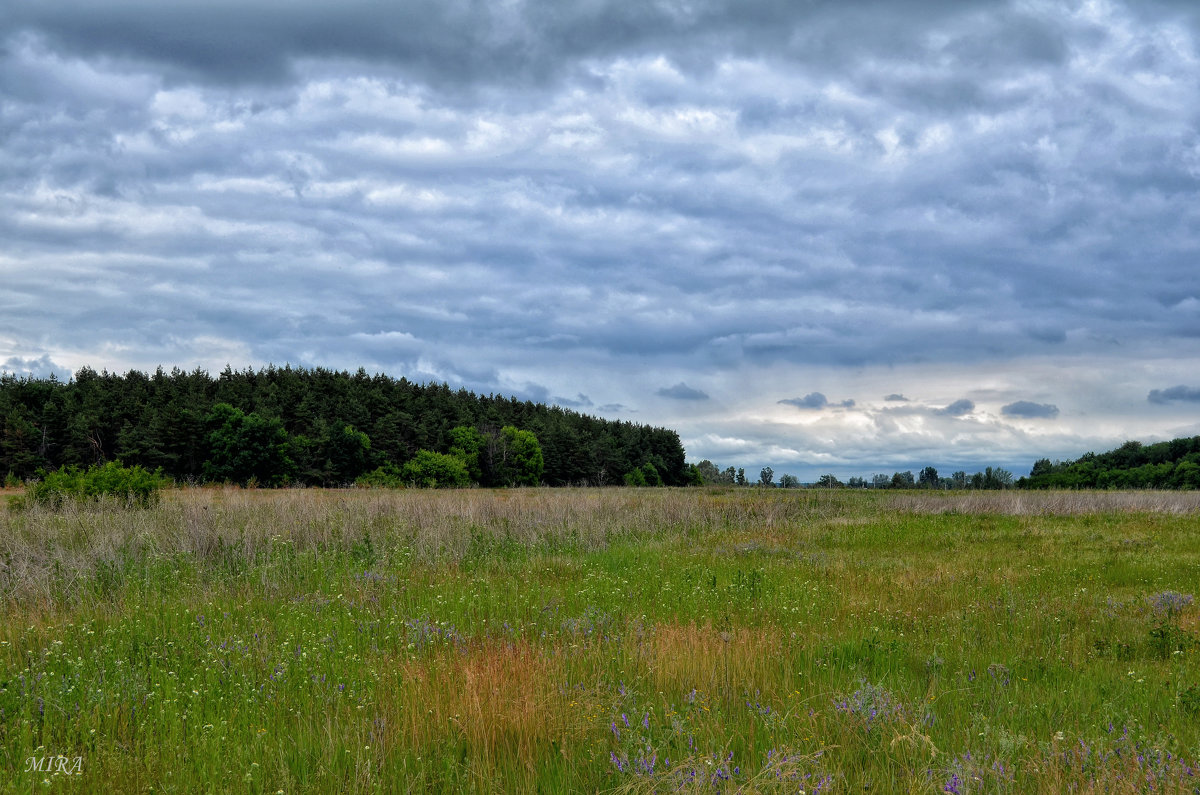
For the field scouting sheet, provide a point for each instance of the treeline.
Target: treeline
(989, 478)
(1133, 465)
(315, 427)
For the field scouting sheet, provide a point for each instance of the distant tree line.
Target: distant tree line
(281, 425)
(1133, 465)
(990, 478)
(708, 472)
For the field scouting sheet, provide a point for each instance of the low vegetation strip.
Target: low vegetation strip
(619, 640)
(1050, 503)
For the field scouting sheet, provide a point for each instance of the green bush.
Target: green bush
(131, 486)
(436, 471)
(388, 476)
(645, 475)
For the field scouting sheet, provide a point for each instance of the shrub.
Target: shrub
(645, 475)
(388, 476)
(132, 486)
(436, 470)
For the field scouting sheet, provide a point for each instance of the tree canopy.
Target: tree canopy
(1133, 465)
(313, 427)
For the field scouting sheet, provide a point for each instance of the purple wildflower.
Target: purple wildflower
(1170, 603)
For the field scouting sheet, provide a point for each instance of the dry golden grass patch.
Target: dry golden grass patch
(683, 657)
(504, 701)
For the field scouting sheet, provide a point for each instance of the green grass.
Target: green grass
(577, 640)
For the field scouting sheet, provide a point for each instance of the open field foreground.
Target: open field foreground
(603, 640)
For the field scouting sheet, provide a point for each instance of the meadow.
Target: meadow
(603, 640)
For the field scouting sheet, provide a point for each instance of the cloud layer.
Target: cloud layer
(682, 391)
(1188, 394)
(933, 200)
(1030, 410)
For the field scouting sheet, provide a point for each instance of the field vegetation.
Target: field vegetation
(628, 640)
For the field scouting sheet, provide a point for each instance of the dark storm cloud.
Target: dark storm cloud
(461, 41)
(1186, 394)
(1029, 410)
(681, 391)
(957, 409)
(813, 400)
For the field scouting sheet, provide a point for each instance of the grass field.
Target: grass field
(603, 640)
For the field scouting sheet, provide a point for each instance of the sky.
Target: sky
(824, 236)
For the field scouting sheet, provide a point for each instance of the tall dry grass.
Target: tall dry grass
(45, 553)
(502, 699)
(1045, 503)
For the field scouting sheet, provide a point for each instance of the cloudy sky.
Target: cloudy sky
(845, 237)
